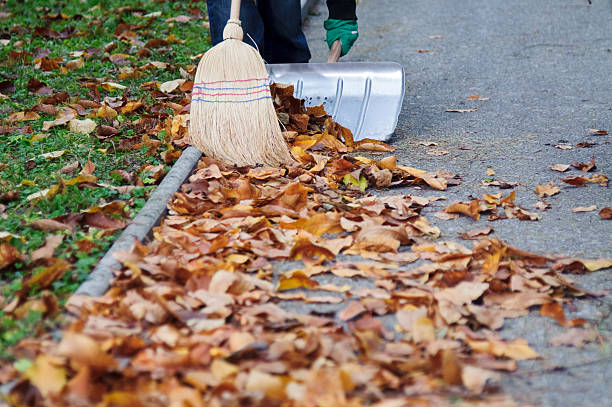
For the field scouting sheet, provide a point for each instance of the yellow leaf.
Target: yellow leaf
(106, 112)
(53, 154)
(46, 375)
(112, 86)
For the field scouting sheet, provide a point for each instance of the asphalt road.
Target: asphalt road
(546, 69)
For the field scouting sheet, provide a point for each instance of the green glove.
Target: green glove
(344, 30)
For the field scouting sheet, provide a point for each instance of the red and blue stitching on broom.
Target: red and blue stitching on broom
(232, 116)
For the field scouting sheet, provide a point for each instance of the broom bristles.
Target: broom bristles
(232, 115)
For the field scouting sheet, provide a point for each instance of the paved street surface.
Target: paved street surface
(546, 68)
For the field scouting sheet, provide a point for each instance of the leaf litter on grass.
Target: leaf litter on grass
(76, 94)
(195, 317)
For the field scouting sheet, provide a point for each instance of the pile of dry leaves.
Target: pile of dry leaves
(200, 317)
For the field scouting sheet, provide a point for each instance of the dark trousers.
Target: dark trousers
(274, 25)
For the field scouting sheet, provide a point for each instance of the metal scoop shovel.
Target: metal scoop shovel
(366, 97)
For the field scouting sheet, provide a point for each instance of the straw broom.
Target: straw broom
(232, 114)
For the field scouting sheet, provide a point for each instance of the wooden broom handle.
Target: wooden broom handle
(235, 10)
(335, 51)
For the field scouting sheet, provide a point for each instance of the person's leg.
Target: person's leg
(252, 24)
(284, 40)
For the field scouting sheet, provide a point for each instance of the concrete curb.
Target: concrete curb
(149, 216)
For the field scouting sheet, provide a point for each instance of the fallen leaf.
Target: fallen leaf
(462, 110)
(171, 86)
(65, 115)
(84, 351)
(8, 255)
(84, 127)
(554, 310)
(584, 208)
(463, 293)
(53, 154)
(22, 117)
(584, 167)
(475, 378)
(47, 250)
(518, 349)
(606, 213)
(476, 233)
(559, 167)
(354, 309)
(476, 97)
(598, 132)
(575, 181)
(563, 147)
(574, 337)
(47, 375)
(547, 190)
(295, 279)
(471, 209)
(49, 225)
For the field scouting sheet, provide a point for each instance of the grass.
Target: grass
(24, 170)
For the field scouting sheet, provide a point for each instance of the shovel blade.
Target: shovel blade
(365, 97)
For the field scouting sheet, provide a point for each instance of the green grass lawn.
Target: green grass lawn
(69, 55)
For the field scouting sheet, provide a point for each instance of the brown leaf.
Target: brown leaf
(463, 293)
(559, 167)
(584, 167)
(22, 116)
(263, 173)
(547, 190)
(49, 225)
(574, 337)
(598, 132)
(47, 250)
(554, 310)
(476, 233)
(606, 213)
(472, 209)
(475, 379)
(563, 147)
(310, 253)
(65, 115)
(47, 276)
(317, 224)
(518, 349)
(88, 168)
(367, 144)
(354, 309)
(575, 181)
(8, 255)
(584, 209)
(82, 351)
(101, 220)
(476, 97)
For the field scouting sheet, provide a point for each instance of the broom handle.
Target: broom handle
(235, 10)
(335, 51)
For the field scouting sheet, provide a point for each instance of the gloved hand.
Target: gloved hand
(344, 30)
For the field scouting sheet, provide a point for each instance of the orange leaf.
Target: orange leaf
(8, 255)
(310, 253)
(317, 224)
(373, 145)
(554, 310)
(296, 279)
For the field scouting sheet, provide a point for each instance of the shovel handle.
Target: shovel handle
(235, 10)
(335, 51)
